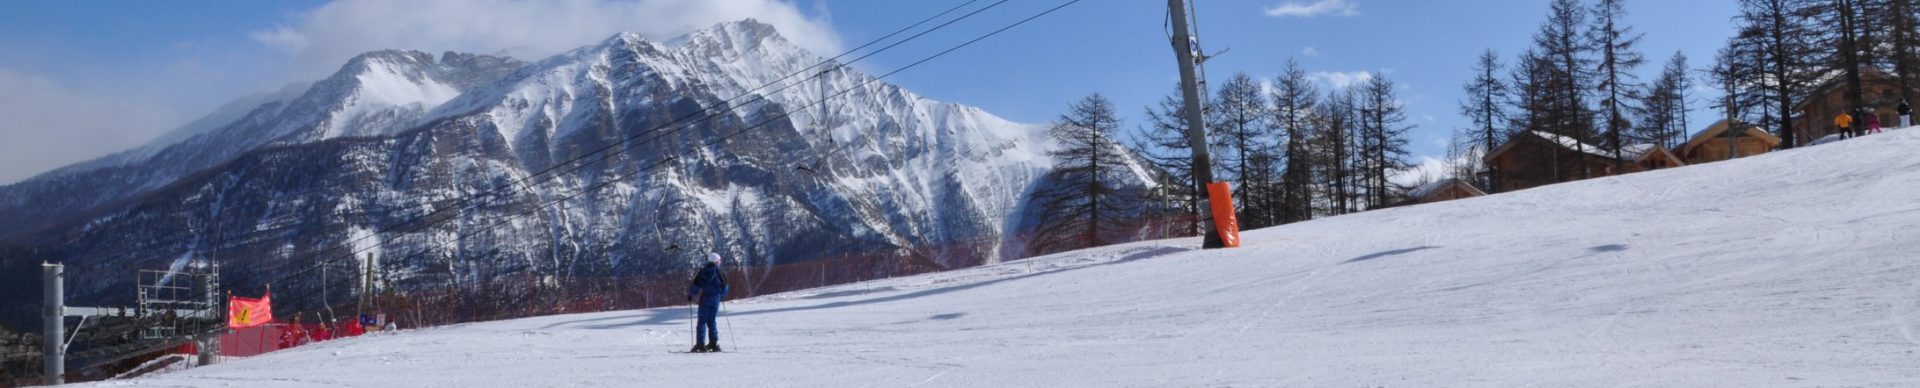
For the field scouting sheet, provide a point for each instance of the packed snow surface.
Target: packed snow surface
(1794, 268)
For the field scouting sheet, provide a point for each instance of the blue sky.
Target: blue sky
(1119, 49)
(82, 79)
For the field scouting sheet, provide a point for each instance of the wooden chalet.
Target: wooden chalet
(1443, 190)
(1533, 158)
(1727, 140)
(1648, 157)
(1813, 117)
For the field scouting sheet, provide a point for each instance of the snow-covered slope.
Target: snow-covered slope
(1788, 269)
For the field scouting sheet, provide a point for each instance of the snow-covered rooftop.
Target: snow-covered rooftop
(1571, 144)
(1630, 152)
(1431, 188)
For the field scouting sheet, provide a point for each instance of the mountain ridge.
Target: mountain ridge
(382, 142)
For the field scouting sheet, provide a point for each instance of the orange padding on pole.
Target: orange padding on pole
(1221, 198)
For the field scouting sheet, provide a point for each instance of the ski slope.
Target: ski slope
(1794, 268)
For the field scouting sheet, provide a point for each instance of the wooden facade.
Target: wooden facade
(1813, 118)
(1444, 190)
(1727, 140)
(1648, 157)
(1529, 159)
(1532, 159)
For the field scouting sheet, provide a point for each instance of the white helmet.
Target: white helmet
(713, 258)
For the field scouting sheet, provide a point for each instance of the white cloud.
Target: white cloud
(1428, 170)
(1340, 79)
(1310, 52)
(51, 120)
(1433, 168)
(45, 124)
(323, 38)
(1317, 8)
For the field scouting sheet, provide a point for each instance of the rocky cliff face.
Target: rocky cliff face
(697, 156)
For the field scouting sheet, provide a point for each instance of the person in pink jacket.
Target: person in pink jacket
(1873, 120)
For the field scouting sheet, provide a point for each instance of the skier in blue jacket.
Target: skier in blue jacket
(710, 287)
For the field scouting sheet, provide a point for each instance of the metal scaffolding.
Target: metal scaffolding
(179, 303)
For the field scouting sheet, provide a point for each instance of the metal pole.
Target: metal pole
(366, 286)
(210, 286)
(1196, 125)
(53, 297)
(323, 287)
(208, 348)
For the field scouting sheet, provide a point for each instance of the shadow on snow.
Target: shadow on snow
(673, 315)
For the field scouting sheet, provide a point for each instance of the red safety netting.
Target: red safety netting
(281, 335)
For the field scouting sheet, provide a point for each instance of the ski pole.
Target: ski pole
(730, 332)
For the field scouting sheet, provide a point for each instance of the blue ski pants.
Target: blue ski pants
(707, 313)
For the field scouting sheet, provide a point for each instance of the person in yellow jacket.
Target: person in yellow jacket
(1845, 123)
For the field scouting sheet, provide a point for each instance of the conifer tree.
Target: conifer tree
(1773, 61)
(1238, 125)
(1618, 87)
(1664, 119)
(1163, 142)
(1082, 207)
(1566, 77)
(1484, 105)
(1383, 139)
(1294, 101)
(1332, 150)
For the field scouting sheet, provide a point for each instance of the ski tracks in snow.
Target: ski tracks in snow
(1897, 314)
(1288, 291)
(1291, 292)
(1606, 325)
(933, 377)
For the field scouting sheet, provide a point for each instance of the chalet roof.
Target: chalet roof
(1826, 83)
(1636, 152)
(1631, 152)
(1436, 187)
(1643, 151)
(1719, 128)
(1572, 144)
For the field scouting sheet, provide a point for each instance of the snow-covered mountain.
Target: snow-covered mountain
(379, 93)
(396, 135)
(1790, 269)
